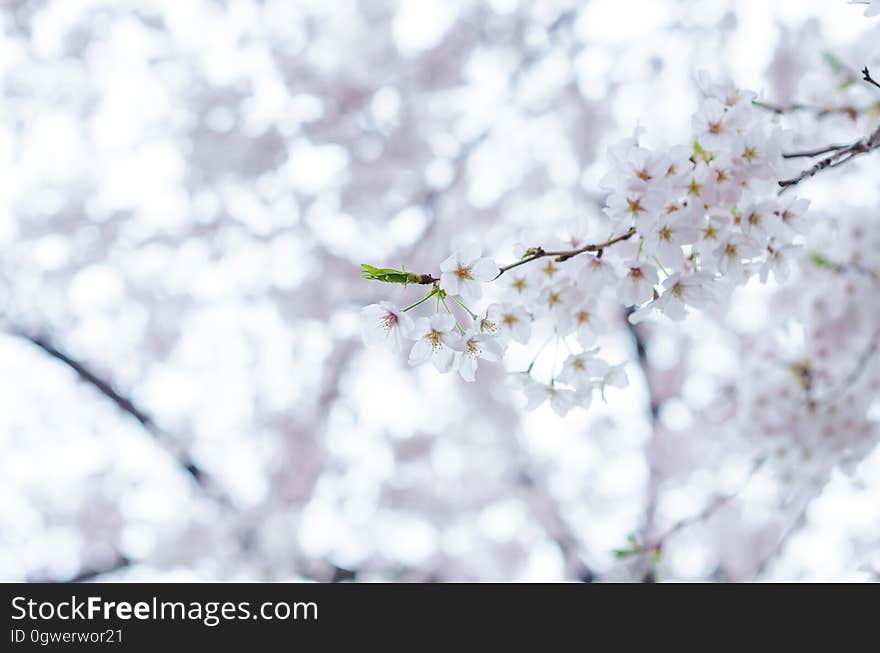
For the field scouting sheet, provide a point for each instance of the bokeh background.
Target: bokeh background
(187, 190)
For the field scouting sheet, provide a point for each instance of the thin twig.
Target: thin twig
(564, 255)
(855, 374)
(839, 157)
(711, 508)
(867, 77)
(809, 154)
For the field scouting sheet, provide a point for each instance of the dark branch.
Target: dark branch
(867, 77)
(95, 573)
(840, 156)
(105, 387)
(564, 255)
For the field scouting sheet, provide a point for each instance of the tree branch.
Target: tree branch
(866, 76)
(840, 156)
(121, 401)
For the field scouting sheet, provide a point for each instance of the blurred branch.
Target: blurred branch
(653, 417)
(856, 373)
(93, 574)
(799, 520)
(431, 196)
(547, 511)
(124, 403)
(820, 112)
(711, 508)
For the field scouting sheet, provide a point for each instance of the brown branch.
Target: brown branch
(840, 156)
(840, 153)
(564, 255)
(809, 154)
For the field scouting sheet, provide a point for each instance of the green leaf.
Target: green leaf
(634, 548)
(818, 259)
(388, 275)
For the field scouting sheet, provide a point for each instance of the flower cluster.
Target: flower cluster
(456, 337)
(682, 228)
(707, 217)
(440, 338)
(808, 406)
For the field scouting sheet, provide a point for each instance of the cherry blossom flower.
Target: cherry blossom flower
(732, 251)
(521, 284)
(632, 206)
(508, 321)
(384, 323)
(596, 274)
(436, 340)
(684, 289)
(669, 233)
(637, 285)
(473, 346)
(557, 302)
(584, 372)
(561, 400)
(464, 271)
(587, 326)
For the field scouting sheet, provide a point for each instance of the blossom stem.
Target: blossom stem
(421, 301)
(538, 353)
(458, 327)
(462, 304)
(564, 255)
(660, 265)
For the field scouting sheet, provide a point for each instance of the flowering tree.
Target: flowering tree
(648, 296)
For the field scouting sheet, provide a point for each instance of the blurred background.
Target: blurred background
(187, 191)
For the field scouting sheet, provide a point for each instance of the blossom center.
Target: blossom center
(389, 321)
(634, 206)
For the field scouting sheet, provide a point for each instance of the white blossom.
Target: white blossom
(473, 346)
(637, 285)
(437, 340)
(464, 272)
(384, 323)
(561, 400)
